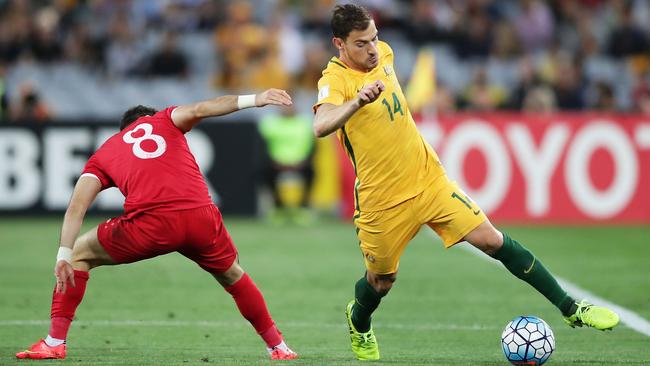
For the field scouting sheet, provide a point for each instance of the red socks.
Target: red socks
(65, 304)
(247, 296)
(251, 305)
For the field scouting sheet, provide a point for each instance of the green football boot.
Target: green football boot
(594, 316)
(364, 345)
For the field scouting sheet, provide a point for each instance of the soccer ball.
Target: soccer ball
(527, 340)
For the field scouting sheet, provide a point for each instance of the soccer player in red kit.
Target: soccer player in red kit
(167, 209)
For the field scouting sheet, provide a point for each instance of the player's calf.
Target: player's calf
(64, 305)
(252, 307)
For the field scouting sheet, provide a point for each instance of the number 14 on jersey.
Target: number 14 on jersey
(396, 107)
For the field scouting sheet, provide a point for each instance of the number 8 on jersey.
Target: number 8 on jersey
(161, 145)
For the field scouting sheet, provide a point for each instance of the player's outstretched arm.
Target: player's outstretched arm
(84, 194)
(188, 115)
(330, 117)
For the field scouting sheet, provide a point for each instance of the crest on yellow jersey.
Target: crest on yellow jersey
(388, 70)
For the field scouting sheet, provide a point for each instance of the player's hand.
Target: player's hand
(370, 92)
(273, 97)
(64, 273)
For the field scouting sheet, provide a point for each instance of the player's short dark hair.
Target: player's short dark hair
(347, 18)
(134, 113)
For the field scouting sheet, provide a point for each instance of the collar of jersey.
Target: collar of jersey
(348, 68)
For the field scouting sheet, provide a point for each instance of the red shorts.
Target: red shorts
(198, 234)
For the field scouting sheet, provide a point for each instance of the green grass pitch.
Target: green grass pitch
(448, 307)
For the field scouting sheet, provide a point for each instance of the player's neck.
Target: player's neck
(352, 65)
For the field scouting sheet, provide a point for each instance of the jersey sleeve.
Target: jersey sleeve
(93, 169)
(165, 113)
(165, 116)
(330, 90)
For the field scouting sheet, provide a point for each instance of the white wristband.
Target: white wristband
(246, 101)
(64, 254)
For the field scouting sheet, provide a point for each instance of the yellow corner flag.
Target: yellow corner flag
(421, 88)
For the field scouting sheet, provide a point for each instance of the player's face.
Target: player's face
(360, 48)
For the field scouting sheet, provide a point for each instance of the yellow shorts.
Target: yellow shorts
(384, 234)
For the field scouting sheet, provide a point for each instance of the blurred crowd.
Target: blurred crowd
(531, 55)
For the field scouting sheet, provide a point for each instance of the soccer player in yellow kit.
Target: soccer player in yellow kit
(401, 184)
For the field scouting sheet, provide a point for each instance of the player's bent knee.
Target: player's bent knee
(84, 260)
(82, 265)
(486, 238)
(230, 276)
(384, 288)
(88, 253)
(382, 283)
(81, 259)
(494, 242)
(490, 245)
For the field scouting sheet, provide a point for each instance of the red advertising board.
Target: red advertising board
(564, 168)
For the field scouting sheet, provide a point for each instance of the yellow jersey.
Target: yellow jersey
(392, 161)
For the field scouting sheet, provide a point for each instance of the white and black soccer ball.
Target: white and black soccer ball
(527, 340)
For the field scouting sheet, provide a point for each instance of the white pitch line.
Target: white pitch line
(212, 323)
(628, 317)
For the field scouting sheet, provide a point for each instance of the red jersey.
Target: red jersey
(151, 164)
